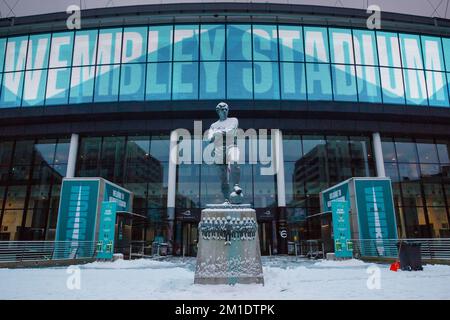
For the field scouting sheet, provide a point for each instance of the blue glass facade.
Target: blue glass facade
(224, 61)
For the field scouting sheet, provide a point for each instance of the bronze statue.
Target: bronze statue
(223, 133)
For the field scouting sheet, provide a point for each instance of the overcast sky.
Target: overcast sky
(428, 8)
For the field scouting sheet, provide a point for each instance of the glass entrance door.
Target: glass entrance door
(190, 239)
(265, 237)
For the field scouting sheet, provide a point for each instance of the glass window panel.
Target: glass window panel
(365, 47)
(344, 82)
(185, 80)
(411, 53)
(160, 147)
(266, 80)
(134, 45)
(409, 172)
(415, 223)
(430, 172)
(239, 42)
(38, 51)
(57, 86)
(159, 81)
(438, 222)
(446, 49)
(185, 43)
(16, 53)
(45, 151)
(160, 43)
(62, 151)
(23, 152)
(11, 224)
(443, 151)
(316, 44)
(6, 149)
(34, 90)
(432, 53)
(388, 49)
(61, 50)
(437, 90)
(293, 81)
(368, 84)
(2, 53)
(290, 39)
(239, 80)
(132, 82)
(109, 46)
(265, 44)
(292, 147)
(82, 84)
(406, 150)
(188, 186)
(415, 88)
(85, 48)
(427, 151)
(342, 46)
(15, 197)
(12, 88)
(412, 195)
(107, 83)
(391, 169)
(388, 149)
(212, 42)
(264, 188)
(138, 148)
(360, 149)
(392, 84)
(318, 81)
(212, 80)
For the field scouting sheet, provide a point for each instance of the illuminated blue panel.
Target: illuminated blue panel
(432, 53)
(341, 45)
(369, 88)
(185, 81)
(2, 53)
(293, 81)
(134, 45)
(415, 87)
(58, 81)
(446, 49)
(38, 52)
(160, 43)
(291, 43)
(158, 86)
(266, 77)
(212, 80)
(437, 89)
(107, 83)
(34, 90)
(16, 54)
(365, 47)
(132, 82)
(265, 43)
(12, 86)
(392, 84)
(212, 42)
(82, 84)
(185, 41)
(239, 42)
(109, 46)
(318, 81)
(85, 48)
(411, 51)
(388, 49)
(316, 44)
(344, 82)
(239, 80)
(61, 50)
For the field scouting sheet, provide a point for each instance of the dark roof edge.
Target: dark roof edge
(227, 9)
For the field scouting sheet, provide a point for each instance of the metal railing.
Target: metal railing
(20, 251)
(431, 249)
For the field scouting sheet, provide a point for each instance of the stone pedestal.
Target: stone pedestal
(228, 248)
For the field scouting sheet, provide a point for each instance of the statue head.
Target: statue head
(222, 111)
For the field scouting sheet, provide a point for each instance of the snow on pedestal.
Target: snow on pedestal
(228, 248)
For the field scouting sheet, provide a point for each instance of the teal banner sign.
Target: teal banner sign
(77, 217)
(376, 215)
(118, 195)
(343, 247)
(337, 193)
(106, 234)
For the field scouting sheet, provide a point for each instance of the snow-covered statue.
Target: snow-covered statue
(223, 133)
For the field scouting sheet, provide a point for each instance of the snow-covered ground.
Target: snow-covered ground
(172, 278)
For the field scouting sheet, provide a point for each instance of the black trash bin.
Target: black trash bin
(410, 256)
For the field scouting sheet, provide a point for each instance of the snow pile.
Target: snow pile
(172, 278)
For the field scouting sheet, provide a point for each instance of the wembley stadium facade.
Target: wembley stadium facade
(104, 101)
